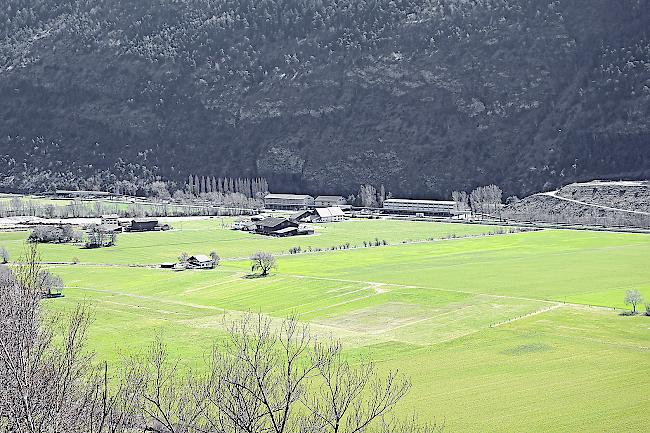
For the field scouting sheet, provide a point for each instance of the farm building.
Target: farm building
(328, 215)
(427, 207)
(288, 201)
(272, 226)
(303, 215)
(143, 225)
(200, 262)
(112, 219)
(330, 201)
(277, 227)
(259, 217)
(319, 215)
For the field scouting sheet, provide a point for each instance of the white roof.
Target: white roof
(325, 212)
(201, 258)
(330, 197)
(288, 196)
(113, 215)
(408, 200)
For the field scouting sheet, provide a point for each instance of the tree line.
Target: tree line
(483, 200)
(251, 188)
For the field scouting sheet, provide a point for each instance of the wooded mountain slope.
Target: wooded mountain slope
(323, 95)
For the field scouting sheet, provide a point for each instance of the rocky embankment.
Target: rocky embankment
(628, 195)
(623, 203)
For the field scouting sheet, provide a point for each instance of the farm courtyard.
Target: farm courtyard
(500, 332)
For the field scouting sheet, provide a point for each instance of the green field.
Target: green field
(510, 333)
(203, 236)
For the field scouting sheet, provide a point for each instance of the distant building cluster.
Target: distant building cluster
(328, 208)
(273, 226)
(426, 207)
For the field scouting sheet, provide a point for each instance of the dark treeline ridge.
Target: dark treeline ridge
(424, 97)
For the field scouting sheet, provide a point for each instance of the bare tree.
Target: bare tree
(4, 255)
(486, 199)
(269, 377)
(50, 285)
(47, 380)
(263, 262)
(349, 399)
(368, 196)
(461, 199)
(215, 257)
(633, 297)
(266, 377)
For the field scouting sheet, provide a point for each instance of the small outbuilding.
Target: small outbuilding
(200, 262)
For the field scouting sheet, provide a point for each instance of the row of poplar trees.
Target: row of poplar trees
(251, 188)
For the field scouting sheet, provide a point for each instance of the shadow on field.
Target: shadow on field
(255, 276)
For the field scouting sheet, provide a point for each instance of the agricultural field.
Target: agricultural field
(204, 235)
(505, 333)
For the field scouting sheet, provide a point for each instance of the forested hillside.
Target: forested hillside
(323, 95)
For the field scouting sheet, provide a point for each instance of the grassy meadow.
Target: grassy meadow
(203, 236)
(508, 333)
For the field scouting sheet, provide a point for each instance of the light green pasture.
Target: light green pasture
(490, 330)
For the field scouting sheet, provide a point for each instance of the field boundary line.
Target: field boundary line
(326, 250)
(407, 286)
(525, 316)
(151, 298)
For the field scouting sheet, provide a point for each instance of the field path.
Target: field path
(406, 286)
(534, 313)
(151, 298)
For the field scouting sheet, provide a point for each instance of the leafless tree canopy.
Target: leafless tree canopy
(267, 377)
(633, 298)
(262, 262)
